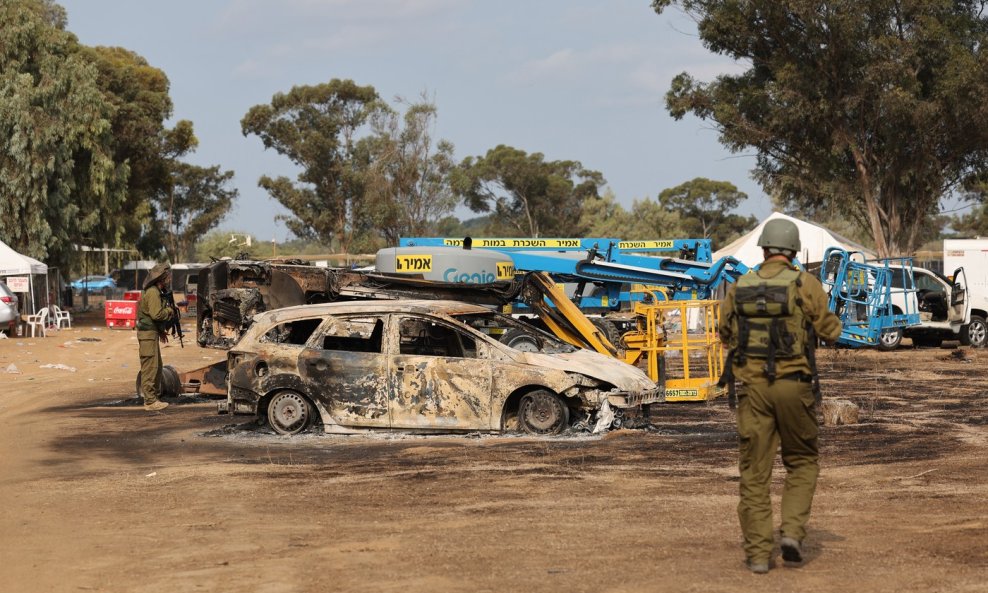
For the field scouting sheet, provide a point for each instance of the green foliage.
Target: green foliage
(971, 224)
(316, 128)
(874, 109)
(526, 195)
(705, 206)
(139, 94)
(86, 155)
(58, 180)
(602, 216)
(649, 220)
(407, 184)
(197, 202)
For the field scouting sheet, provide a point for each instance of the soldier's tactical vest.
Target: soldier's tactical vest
(769, 321)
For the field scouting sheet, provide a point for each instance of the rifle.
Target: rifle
(175, 325)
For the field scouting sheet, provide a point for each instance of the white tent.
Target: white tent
(814, 239)
(15, 264)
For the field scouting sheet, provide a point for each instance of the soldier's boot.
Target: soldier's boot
(154, 407)
(756, 567)
(792, 550)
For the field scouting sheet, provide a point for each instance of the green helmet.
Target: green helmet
(780, 234)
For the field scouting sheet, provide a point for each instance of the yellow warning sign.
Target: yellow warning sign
(413, 264)
(505, 270)
(517, 243)
(646, 244)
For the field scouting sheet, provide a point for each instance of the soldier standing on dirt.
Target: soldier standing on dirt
(770, 320)
(152, 318)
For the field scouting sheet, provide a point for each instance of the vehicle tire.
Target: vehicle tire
(975, 334)
(170, 385)
(542, 412)
(890, 339)
(520, 340)
(289, 412)
(610, 331)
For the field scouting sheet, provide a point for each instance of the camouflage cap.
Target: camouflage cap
(156, 273)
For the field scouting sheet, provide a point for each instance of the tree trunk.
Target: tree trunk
(871, 203)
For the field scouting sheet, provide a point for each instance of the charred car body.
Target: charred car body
(421, 365)
(231, 292)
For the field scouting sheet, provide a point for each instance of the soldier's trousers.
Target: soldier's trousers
(769, 415)
(150, 354)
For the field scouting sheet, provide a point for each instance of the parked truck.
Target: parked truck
(971, 256)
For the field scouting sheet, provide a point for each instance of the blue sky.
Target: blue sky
(573, 79)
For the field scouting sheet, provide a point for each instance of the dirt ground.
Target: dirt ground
(99, 495)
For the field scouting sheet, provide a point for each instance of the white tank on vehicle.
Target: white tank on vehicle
(446, 264)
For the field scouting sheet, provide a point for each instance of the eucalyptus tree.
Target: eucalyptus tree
(198, 200)
(407, 186)
(525, 194)
(705, 207)
(58, 177)
(872, 108)
(139, 138)
(318, 128)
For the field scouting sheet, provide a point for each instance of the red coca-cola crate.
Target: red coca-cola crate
(132, 295)
(121, 314)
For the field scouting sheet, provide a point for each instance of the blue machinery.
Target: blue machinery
(617, 269)
(862, 295)
(690, 249)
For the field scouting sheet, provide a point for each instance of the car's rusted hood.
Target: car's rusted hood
(604, 368)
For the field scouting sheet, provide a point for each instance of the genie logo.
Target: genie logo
(454, 275)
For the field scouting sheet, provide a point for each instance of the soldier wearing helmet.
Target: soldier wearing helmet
(153, 315)
(770, 320)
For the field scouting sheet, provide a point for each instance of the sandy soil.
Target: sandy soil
(99, 495)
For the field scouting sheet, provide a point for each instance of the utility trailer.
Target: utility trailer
(862, 295)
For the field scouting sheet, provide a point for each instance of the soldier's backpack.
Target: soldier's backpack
(769, 320)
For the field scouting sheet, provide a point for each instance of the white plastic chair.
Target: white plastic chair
(59, 315)
(39, 320)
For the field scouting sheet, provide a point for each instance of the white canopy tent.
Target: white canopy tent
(15, 264)
(814, 239)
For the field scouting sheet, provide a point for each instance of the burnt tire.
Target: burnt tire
(520, 339)
(170, 385)
(889, 339)
(975, 333)
(610, 331)
(542, 412)
(289, 412)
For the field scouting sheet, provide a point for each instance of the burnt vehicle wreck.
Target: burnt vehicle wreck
(422, 365)
(231, 292)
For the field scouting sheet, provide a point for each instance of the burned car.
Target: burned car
(422, 366)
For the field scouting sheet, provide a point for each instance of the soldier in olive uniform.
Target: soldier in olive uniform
(770, 319)
(152, 318)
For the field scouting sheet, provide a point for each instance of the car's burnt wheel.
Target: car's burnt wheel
(610, 331)
(170, 385)
(542, 412)
(289, 413)
(520, 340)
